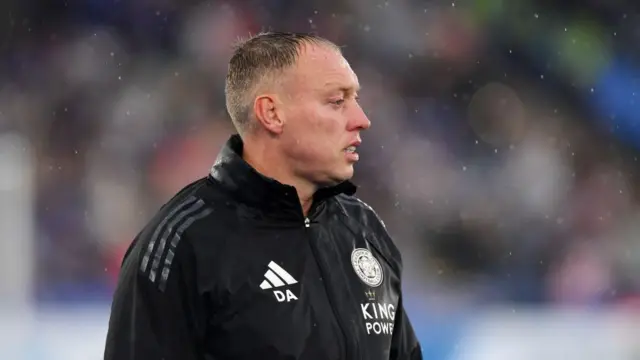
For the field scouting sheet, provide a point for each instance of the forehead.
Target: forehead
(322, 67)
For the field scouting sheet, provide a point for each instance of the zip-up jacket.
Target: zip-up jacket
(230, 268)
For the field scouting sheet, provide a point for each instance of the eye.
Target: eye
(338, 102)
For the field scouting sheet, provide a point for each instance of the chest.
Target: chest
(304, 293)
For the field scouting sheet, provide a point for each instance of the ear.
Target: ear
(266, 109)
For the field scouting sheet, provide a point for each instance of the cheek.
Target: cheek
(317, 129)
(324, 132)
(314, 123)
(326, 121)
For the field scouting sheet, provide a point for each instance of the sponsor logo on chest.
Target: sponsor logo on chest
(378, 316)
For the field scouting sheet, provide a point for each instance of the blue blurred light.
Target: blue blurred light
(616, 97)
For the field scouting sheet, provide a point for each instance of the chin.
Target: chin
(336, 177)
(345, 174)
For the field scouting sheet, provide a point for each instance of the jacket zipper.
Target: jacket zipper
(330, 295)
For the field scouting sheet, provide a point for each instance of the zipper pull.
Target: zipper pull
(307, 222)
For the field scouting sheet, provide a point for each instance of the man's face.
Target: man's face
(322, 117)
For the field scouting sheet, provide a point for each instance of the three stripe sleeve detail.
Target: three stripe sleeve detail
(166, 237)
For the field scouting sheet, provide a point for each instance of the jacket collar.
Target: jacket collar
(250, 187)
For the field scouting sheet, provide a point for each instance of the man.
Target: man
(270, 256)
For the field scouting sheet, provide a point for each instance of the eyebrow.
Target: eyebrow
(345, 89)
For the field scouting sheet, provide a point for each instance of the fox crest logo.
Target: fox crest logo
(367, 267)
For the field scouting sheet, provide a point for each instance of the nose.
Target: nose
(359, 120)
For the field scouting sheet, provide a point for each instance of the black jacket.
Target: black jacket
(231, 269)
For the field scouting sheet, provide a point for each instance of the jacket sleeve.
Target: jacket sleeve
(404, 344)
(156, 316)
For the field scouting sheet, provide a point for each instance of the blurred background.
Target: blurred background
(503, 157)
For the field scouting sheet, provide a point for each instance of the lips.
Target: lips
(353, 146)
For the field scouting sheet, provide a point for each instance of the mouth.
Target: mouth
(351, 151)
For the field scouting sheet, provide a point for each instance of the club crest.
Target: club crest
(367, 267)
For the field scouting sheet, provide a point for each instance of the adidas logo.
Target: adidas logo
(277, 277)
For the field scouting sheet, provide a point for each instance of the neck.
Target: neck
(271, 163)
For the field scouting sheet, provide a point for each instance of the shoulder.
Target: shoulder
(362, 215)
(170, 239)
(183, 214)
(359, 210)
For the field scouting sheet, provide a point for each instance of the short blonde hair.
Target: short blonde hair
(255, 59)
